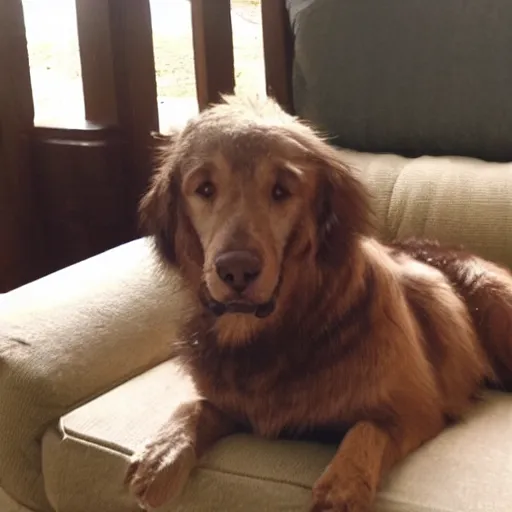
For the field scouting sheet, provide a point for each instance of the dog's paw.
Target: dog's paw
(332, 493)
(158, 473)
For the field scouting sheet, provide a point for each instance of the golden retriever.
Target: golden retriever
(304, 320)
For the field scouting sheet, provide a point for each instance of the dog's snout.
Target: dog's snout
(238, 269)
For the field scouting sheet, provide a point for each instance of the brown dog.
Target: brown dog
(304, 320)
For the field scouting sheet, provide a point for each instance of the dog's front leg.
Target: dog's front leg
(160, 471)
(368, 451)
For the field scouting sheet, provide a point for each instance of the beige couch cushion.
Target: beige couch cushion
(7, 504)
(466, 469)
(455, 200)
(71, 336)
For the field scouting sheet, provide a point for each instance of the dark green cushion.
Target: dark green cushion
(407, 76)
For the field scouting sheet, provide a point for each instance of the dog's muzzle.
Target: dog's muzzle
(221, 308)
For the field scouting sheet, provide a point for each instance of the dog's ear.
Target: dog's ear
(342, 207)
(158, 211)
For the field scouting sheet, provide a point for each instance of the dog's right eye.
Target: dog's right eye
(206, 190)
(279, 193)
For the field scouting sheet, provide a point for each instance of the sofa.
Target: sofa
(416, 94)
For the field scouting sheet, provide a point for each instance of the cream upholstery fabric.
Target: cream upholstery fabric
(7, 504)
(455, 200)
(71, 336)
(466, 469)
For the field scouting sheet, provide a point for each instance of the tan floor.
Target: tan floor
(8, 505)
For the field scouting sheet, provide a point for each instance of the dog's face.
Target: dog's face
(246, 193)
(244, 207)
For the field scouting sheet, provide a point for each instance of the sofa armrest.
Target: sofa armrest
(70, 336)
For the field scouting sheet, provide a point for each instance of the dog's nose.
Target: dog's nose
(238, 269)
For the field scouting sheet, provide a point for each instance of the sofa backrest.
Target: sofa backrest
(412, 77)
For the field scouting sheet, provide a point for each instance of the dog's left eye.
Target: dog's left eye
(206, 190)
(279, 193)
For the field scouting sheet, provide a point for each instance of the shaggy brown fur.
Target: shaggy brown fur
(330, 329)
